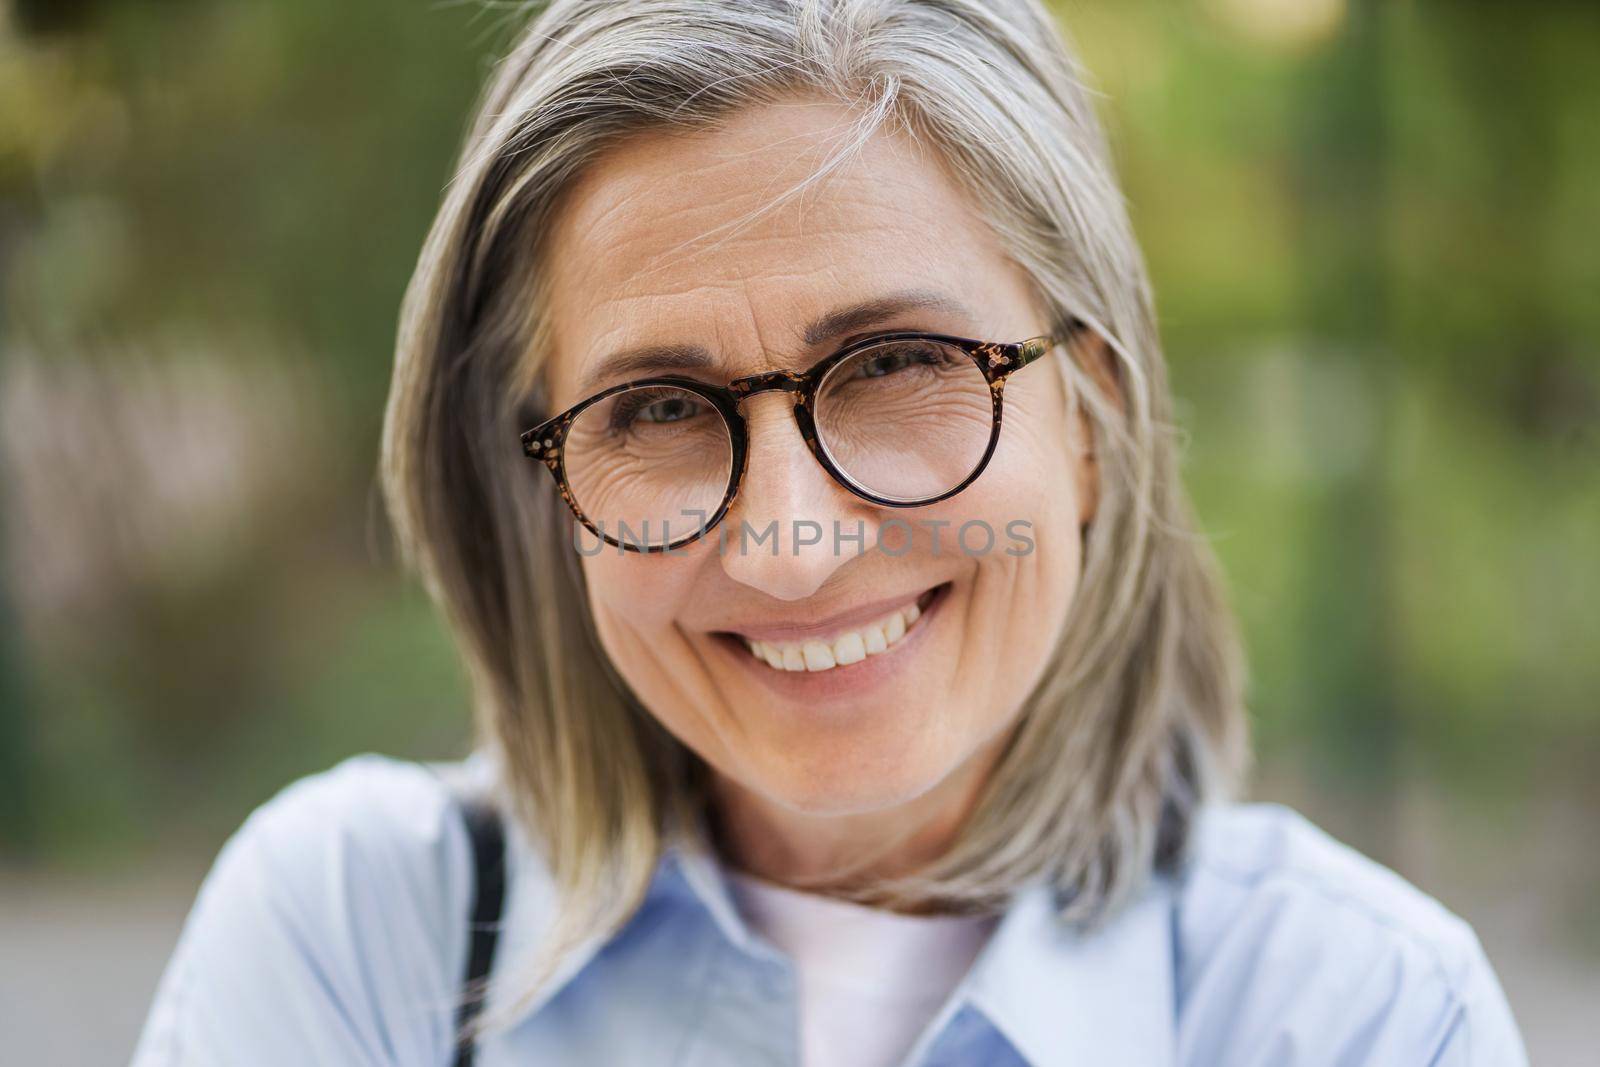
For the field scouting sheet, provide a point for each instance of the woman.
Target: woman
(779, 419)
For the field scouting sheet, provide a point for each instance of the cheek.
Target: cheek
(1023, 587)
(1030, 485)
(635, 600)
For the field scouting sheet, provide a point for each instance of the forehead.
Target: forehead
(670, 237)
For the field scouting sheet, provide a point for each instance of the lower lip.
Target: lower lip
(841, 682)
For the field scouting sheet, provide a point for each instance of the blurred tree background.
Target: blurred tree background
(1372, 229)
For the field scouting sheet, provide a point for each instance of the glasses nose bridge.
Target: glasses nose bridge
(790, 383)
(782, 381)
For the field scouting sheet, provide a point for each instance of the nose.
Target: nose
(781, 537)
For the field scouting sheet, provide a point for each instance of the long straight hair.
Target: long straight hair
(1139, 716)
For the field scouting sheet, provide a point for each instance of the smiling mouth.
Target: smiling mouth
(847, 646)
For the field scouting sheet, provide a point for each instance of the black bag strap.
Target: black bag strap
(487, 835)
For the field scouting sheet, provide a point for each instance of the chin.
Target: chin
(826, 784)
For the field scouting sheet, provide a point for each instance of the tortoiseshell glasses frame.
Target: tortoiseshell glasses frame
(997, 361)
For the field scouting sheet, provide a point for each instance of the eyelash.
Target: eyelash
(628, 407)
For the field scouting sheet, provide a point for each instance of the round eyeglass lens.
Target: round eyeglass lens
(905, 420)
(649, 466)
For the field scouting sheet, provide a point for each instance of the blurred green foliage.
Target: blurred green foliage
(1371, 229)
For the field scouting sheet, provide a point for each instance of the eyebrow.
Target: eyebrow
(631, 362)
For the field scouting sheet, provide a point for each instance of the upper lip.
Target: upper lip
(813, 626)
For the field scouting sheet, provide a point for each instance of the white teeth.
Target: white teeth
(819, 657)
(851, 646)
(895, 629)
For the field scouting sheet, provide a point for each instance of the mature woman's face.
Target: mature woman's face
(644, 253)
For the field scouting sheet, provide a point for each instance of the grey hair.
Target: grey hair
(1139, 717)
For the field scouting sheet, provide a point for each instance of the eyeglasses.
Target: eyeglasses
(900, 419)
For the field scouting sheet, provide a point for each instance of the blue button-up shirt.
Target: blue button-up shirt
(332, 929)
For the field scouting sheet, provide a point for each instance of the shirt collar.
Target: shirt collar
(1061, 996)
(1064, 996)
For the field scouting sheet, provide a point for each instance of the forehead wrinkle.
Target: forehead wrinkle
(849, 213)
(613, 194)
(612, 241)
(618, 329)
(842, 214)
(779, 258)
(876, 311)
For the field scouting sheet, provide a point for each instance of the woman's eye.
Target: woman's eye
(880, 364)
(652, 408)
(667, 410)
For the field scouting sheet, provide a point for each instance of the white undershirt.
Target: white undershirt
(870, 979)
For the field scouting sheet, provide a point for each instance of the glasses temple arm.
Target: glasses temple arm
(1034, 347)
